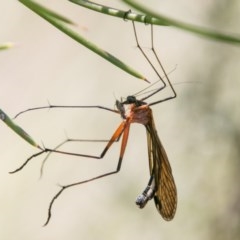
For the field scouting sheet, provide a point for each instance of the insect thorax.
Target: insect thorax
(136, 111)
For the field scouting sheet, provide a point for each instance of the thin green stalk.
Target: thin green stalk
(7, 120)
(126, 15)
(7, 45)
(184, 26)
(57, 20)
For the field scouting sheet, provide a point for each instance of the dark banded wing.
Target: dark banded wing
(165, 196)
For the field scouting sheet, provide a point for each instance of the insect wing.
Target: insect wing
(165, 197)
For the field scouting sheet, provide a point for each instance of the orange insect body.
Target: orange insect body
(161, 185)
(141, 114)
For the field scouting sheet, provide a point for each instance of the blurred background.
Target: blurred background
(199, 129)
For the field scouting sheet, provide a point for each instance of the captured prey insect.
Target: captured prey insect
(161, 186)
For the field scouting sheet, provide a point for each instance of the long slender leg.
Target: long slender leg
(155, 70)
(65, 106)
(117, 134)
(71, 140)
(165, 74)
(149, 61)
(122, 151)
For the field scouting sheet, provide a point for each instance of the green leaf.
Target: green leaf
(184, 26)
(7, 120)
(126, 15)
(60, 22)
(7, 45)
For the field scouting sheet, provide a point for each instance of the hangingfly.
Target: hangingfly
(161, 186)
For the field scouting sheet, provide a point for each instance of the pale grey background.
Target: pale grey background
(199, 130)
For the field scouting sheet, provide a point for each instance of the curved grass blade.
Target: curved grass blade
(32, 5)
(60, 22)
(7, 120)
(184, 26)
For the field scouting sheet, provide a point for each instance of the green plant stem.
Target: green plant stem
(7, 120)
(126, 15)
(58, 22)
(185, 26)
(4, 46)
